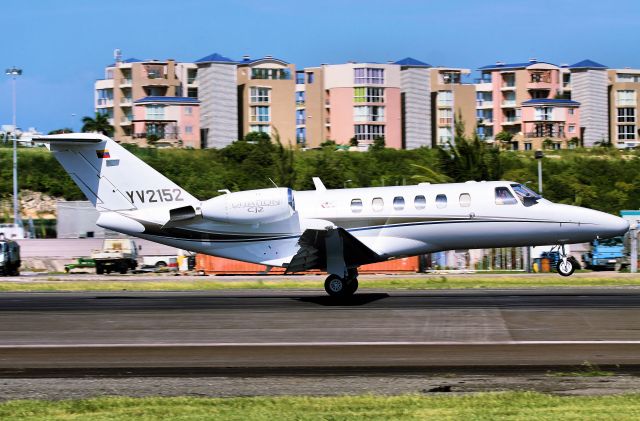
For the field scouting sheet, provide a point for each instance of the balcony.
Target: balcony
(126, 102)
(509, 103)
(161, 136)
(444, 139)
(485, 121)
(510, 120)
(445, 103)
(625, 102)
(508, 86)
(125, 121)
(125, 82)
(539, 85)
(558, 134)
(300, 122)
(481, 103)
(482, 80)
(104, 102)
(445, 121)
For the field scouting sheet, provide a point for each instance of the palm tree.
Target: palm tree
(99, 124)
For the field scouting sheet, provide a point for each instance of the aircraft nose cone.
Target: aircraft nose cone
(613, 226)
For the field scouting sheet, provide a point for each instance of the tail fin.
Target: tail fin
(111, 177)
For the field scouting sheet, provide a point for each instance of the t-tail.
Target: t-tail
(120, 185)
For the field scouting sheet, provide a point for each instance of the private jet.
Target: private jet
(331, 230)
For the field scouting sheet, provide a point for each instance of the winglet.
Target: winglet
(318, 183)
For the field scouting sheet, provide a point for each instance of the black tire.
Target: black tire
(99, 269)
(335, 286)
(123, 268)
(161, 264)
(566, 267)
(353, 286)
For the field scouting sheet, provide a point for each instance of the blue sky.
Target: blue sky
(63, 46)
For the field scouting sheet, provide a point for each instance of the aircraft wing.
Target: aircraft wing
(313, 252)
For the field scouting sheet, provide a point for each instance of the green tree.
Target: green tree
(99, 124)
(469, 159)
(505, 138)
(285, 170)
(328, 144)
(378, 144)
(353, 141)
(547, 143)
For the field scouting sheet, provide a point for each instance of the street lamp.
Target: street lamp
(539, 155)
(14, 72)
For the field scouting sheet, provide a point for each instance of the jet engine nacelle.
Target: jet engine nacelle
(251, 207)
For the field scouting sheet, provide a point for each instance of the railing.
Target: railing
(484, 120)
(550, 134)
(482, 80)
(480, 103)
(125, 120)
(125, 100)
(625, 102)
(511, 119)
(447, 121)
(125, 81)
(300, 103)
(300, 121)
(104, 102)
(161, 136)
(509, 103)
(509, 85)
(444, 139)
(445, 102)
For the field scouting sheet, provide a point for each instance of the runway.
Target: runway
(258, 331)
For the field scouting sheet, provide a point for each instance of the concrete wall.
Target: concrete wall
(589, 88)
(218, 93)
(415, 86)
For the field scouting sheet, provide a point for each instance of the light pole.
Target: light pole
(73, 118)
(14, 72)
(539, 155)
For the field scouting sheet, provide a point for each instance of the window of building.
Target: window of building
(300, 78)
(188, 110)
(556, 146)
(155, 72)
(301, 135)
(626, 132)
(441, 201)
(363, 94)
(420, 202)
(310, 77)
(398, 203)
(572, 111)
(368, 76)
(300, 97)
(261, 128)
(270, 73)
(627, 77)
(572, 128)
(445, 98)
(356, 205)
(191, 75)
(543, 113)
(155, 112)
(192, 92)
(626, 97)
(188, 129)
(445, 134)
(527, 146)
(300, 117)
(257, 94)
(364, 113)
(377, 204)
(368, 131)
(465, 200)
(260, 114)
(626, 115)
(445, 116)
(504, 196)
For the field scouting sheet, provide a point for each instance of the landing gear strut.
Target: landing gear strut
(342, 287)
(567, 264)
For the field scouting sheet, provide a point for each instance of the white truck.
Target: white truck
(116, 255)
(9, 258)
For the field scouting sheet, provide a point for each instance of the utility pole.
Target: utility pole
(539, 155)
(14, 73)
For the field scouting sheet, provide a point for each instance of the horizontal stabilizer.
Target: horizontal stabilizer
(71, 138)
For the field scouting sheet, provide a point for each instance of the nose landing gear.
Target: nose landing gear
(567, 264)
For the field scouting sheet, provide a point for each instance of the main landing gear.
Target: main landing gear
(567, 264)
(338, 287)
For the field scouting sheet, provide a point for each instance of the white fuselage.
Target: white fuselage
(400, 221)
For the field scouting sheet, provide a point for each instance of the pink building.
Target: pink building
(356, 100)
(172, 121)
(519, 98)
(550, 119)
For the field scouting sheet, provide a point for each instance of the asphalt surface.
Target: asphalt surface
(299, 331)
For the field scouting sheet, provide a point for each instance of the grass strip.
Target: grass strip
(482, 406)
(385, 283)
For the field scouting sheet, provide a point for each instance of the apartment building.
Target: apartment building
(587, 83)
(527, 100)
(624, 94)
(167, 121)
(415, 98)
(266, 92)
(451, 100)
(217, 89)
(127, 81)
(348, 101)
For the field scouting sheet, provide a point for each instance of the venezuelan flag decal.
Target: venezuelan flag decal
(102, 154)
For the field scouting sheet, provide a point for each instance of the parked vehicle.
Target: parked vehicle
(9, 258)
(116, 255)
(606, 254)
(81, 262)
(160, 262)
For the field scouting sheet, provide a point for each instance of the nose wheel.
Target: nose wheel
(567, 264)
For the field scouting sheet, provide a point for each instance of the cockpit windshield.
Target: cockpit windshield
(527, 196)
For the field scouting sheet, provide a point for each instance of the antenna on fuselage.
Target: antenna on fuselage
(272, 182)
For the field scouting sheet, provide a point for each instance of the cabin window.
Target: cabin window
(504, 197)
(377, 204)
(420, 202)
(356, 205)
(398, 203)
(465, 200)
(441, 201)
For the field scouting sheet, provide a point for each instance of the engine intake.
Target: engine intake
(251, 206)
